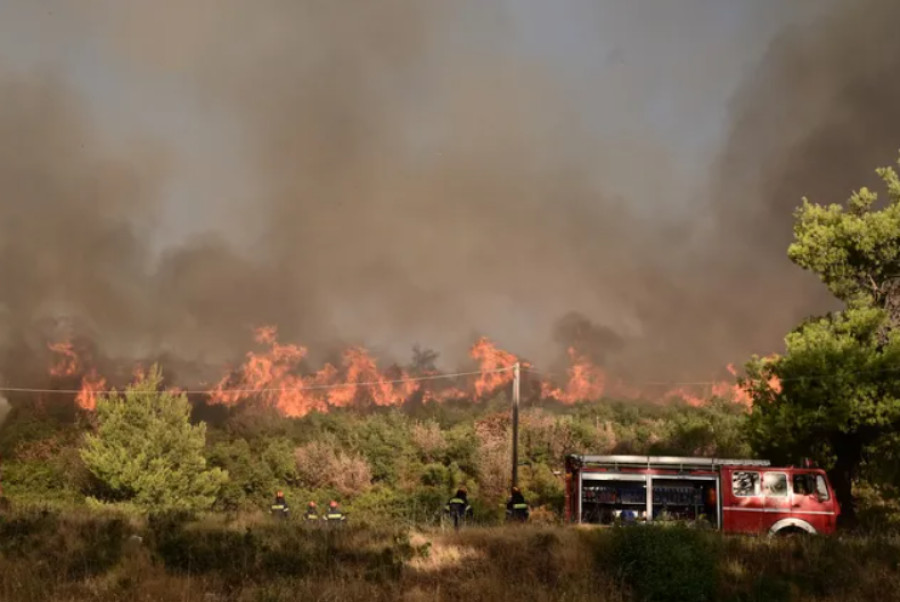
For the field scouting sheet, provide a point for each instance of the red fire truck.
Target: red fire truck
(734, 495)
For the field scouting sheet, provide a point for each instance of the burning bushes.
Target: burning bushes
(322, 465)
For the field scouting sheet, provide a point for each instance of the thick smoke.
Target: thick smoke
(815, 119)
(413, 180)
(75, 225)
(589, 340)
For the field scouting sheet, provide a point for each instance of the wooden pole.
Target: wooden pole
(515, 424)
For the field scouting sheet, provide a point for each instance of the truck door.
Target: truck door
(812, 500)
(743, 505)
(777, 497)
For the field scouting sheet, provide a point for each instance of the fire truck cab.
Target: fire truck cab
(733, 495)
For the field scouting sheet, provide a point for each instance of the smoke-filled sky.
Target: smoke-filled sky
(615, 174)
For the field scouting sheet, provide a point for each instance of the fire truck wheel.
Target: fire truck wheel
(792, 527)
(792, 532)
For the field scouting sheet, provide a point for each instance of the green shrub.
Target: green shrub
(147, 452)
(666, 563)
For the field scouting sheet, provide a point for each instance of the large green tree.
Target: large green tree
(834, 394)
(146, 451)
(854, 248)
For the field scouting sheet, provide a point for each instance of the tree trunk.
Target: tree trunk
(849, 454)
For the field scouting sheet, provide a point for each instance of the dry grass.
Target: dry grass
(53, 557)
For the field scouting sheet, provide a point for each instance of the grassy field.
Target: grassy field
(48, 555)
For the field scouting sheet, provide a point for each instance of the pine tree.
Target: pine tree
(839, 397)
(147, 452)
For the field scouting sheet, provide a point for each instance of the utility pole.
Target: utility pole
(517, 381)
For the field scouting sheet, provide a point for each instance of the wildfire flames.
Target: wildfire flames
(276, 376)
(586, 381)
(91, 386)
(69, 364)
(491, 360)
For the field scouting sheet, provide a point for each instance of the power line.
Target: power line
(273, 389)
(700, 383)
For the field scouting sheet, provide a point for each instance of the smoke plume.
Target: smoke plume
(815, 119)
(395, 173)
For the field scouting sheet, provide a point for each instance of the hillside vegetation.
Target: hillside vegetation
(384, 466)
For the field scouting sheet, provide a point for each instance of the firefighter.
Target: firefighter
(334, 514)
(516, 507)
(280, 508)
(312, 512)
(458, 508)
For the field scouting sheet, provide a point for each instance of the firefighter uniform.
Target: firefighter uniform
(312, 513)
(334, 514)
(458, 508)
(280, 508)
(516, 507)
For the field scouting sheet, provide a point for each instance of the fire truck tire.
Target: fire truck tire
(792, 526)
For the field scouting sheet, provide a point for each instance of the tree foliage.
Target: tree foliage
(147, 452)
(837, 396)
(402, 462)
(834, 394)
(854, 249)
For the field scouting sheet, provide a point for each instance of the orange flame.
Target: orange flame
(724, 390)
(360, 368)
(91, 386)
(442, 395)
(491, 359)
(272, 376)
(138, 373)
(68, 364)
(586, 382)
